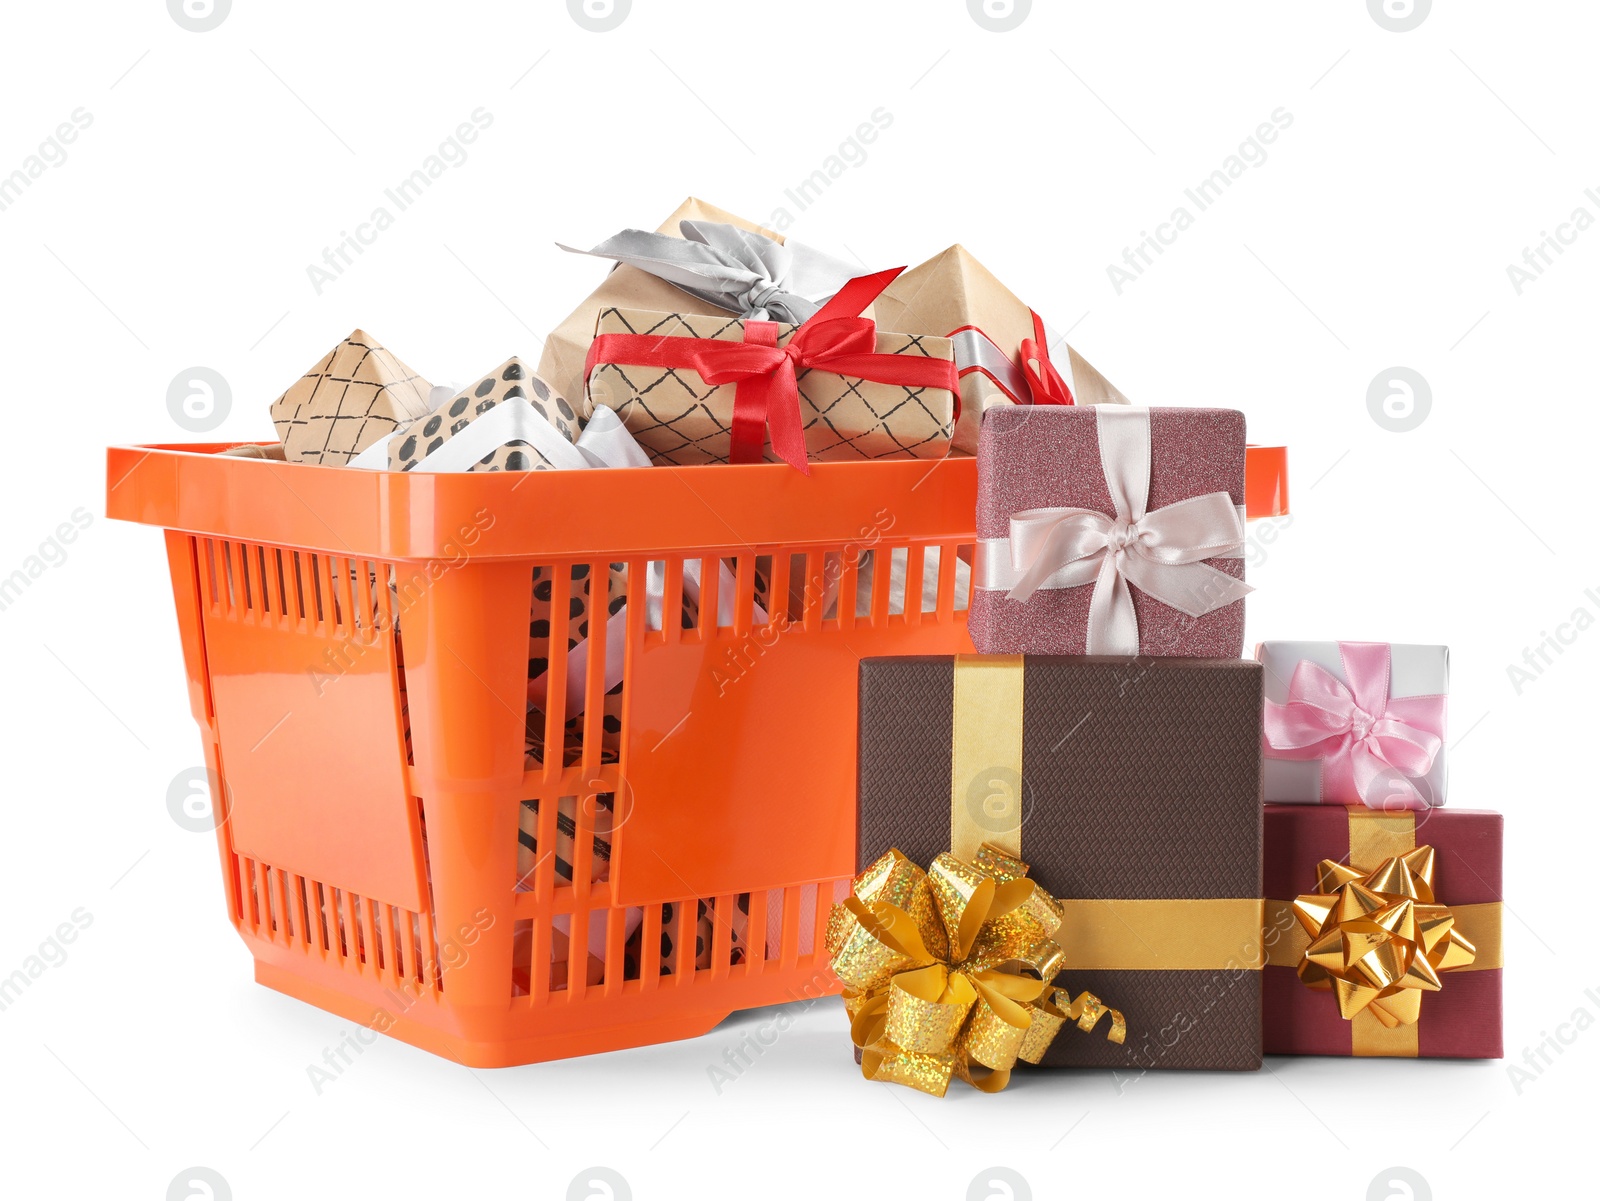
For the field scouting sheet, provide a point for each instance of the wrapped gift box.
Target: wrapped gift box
(1132, 789)
(705, 932)
(1004, 351)
(743, 271)
(1071, 498)
(630, 287)
(1355, 723)
(510, 420)
(357, 394)
(1463, 1019)
(595, 608)
(682, 420)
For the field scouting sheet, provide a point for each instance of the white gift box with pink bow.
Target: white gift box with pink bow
(1354, 723)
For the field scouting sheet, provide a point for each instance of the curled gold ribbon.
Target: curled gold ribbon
(950, 972)
(1379, 938)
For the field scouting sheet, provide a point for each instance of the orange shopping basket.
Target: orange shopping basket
(361, 649)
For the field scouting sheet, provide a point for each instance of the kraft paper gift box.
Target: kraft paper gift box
(256, 450)
(1131, 788)
(1004, 351)
(1355, 723)
(1110, 529)
(356, 394)
(1457, 1013)
(768, 276)
(855, 413)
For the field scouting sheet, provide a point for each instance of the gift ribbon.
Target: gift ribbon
(767, 401)
(744, 272)
(1036, 380)
(1099, 934)
(1371, 745)
(950, 972)
(1046, 384)
(1379, 938)
(1161, 552)
(975, 351)
(986, 755)
(1040, 381)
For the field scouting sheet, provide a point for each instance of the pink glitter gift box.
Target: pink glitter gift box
(1110, 530)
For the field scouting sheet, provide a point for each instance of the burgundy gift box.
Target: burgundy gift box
(1048, 457)
(1460, 1021)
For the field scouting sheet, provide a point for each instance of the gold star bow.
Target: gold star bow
(949, 972)
(1379, 939)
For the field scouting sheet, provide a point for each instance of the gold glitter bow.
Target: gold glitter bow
(949, 972)
(1379, 939)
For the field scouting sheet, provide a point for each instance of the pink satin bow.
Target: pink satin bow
(1161, 552)
(1373, 747)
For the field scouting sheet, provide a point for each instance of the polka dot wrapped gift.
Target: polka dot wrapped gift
(510, 420)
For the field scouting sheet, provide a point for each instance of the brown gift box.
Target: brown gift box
(956, 296)
(561, 364)
(357, 394)
(1131, 788)
(1463, 1019)
(681, 420)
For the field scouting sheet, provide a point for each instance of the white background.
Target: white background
(1377, 233)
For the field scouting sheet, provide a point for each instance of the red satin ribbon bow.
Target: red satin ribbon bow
(836, 339)
(1044, 381)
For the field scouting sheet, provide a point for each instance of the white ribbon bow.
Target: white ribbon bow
(1158, 552)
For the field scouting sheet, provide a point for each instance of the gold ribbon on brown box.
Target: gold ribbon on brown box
(950, 972)
(1378, 938)
(1098, 933)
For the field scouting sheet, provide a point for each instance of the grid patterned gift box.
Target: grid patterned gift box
(681, 420)
(355, 395)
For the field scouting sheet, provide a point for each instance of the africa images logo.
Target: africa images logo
(999, 16)
(599, 16)
(199, 16)
(1399, 16)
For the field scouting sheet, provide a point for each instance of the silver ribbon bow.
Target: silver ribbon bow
(746, 273)
(1159, 552)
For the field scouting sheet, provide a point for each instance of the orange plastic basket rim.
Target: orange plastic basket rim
(550, 515)
(396, 515)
